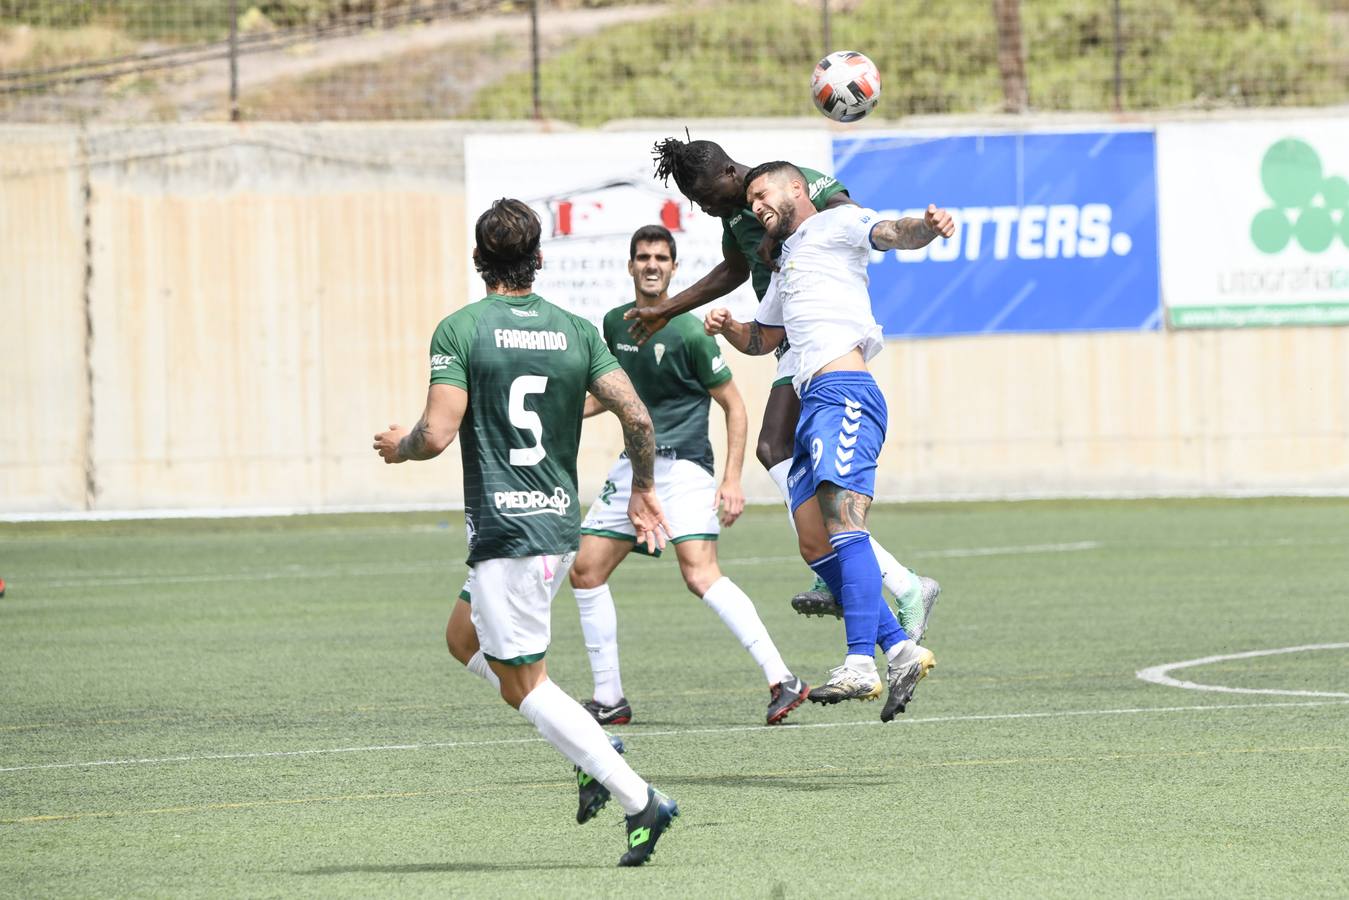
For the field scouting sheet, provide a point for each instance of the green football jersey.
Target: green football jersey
(526, 365)
(672, 373)
(742, 231)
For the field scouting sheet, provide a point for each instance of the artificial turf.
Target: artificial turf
(266, 708)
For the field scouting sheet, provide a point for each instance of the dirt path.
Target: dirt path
(257, 70)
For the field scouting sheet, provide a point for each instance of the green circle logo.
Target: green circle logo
(1307, 205)
(1335, 193)
(1291, 173)
(1314, 229)
(1270, 230)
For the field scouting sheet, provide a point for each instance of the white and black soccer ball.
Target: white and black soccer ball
(845, 86)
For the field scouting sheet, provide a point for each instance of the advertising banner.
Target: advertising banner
(593, 190)
(1255, 222)
(1054, 231)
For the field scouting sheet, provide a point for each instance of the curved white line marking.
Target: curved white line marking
(1157, 674)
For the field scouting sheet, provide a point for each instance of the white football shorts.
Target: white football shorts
(787, 363)
(686, 491)
(511, 601)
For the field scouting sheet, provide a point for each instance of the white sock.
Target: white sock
(897, 579)
(779, 475)
(599, 624)
(569, 728)
(899, 648)
(477, 664)
(739, 614)
(860, 663)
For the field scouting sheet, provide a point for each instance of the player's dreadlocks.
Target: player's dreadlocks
(687, 162)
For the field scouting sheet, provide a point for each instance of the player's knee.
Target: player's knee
(585, 574)
(700, 582)
(770, 452)
(699, 576)
(813, 547)
(513, 694)
(460, 645)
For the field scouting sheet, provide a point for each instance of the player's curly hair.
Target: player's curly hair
(687, 162)
(507, 237)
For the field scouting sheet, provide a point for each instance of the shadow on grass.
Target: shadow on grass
(414, 868)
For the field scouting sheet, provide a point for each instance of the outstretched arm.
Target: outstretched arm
(912, 234)
(434, 431)
(747, 337)
(615, 392)
(725, 277)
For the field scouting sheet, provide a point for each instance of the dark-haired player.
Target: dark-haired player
(678, 375)
(819, 301)
(509, 377)
(708, 177)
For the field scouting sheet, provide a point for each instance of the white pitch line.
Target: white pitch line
(759, 729)
(1158, 674)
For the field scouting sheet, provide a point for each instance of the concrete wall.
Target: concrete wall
(221, 316)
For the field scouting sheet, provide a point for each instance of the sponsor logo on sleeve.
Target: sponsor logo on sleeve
(822, 183)
(441, 361)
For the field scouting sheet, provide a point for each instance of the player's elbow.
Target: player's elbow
(437, 442)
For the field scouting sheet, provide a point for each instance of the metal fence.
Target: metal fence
(589, 61)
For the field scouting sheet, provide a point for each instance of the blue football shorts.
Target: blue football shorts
(839, 435)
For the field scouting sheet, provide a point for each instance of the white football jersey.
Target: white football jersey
(819, 293)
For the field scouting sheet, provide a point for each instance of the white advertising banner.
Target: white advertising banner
(594, 189)
(1254, 222)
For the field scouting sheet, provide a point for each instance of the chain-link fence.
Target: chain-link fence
(589, 61)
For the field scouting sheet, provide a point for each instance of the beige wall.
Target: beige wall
(44, 395)
(261, 300)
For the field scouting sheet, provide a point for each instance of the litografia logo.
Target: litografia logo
(1306, 204)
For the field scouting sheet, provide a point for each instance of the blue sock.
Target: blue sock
(828, 569)
(889, 632)
(860, 590)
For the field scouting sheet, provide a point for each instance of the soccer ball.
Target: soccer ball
(845, 86)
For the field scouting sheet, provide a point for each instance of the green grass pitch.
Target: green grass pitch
(266, 708)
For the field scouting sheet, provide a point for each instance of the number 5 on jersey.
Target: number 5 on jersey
(527, 419)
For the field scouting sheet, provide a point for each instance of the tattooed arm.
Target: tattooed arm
(434, 431)
(593, 407)
(747, 337)
(615, 391)
(912, 234)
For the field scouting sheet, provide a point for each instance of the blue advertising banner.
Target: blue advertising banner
(1054, 232)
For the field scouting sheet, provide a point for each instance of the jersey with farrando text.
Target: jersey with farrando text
(526, 365)
(742, 232)
(672, 373)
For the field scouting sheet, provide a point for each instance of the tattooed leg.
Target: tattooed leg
(867, 618)
(843, 510)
